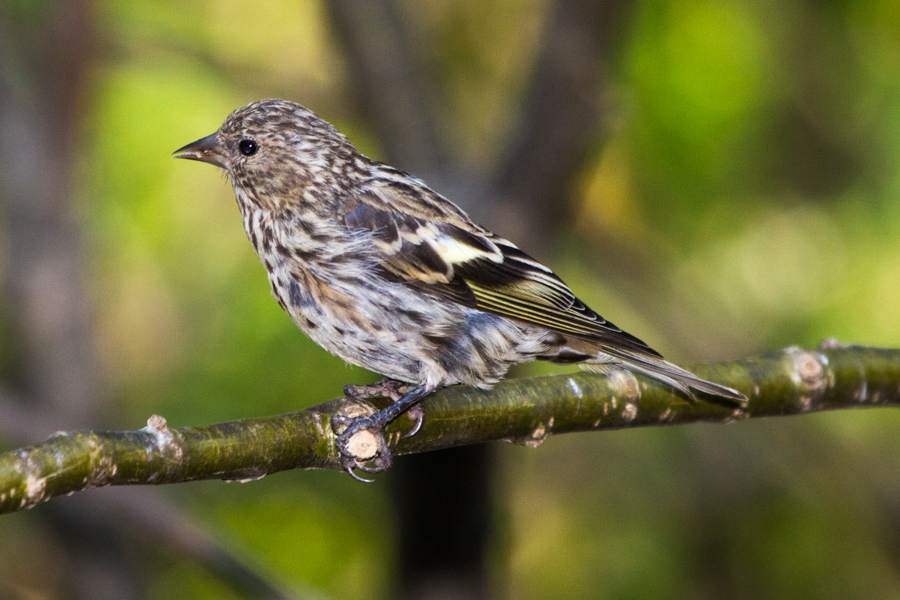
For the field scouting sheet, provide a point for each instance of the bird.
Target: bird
(387, 274)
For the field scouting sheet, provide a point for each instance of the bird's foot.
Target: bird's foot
(361, 444)
(361, 439)
(386, 388)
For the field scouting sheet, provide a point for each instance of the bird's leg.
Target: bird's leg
(375, 424)
(386, 388)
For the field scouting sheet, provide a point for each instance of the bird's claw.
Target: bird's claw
(350, 465)
(361, 445)
(361, 440)
(417, 413)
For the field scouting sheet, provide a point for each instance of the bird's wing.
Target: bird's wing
(448, 256)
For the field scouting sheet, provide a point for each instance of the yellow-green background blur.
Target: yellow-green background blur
(750, 156)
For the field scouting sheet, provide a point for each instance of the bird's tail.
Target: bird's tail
(664, 372)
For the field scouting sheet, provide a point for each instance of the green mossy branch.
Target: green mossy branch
(525, 411)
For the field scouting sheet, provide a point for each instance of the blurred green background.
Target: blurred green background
(722, 179)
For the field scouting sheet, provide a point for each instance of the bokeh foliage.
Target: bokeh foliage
(746, 183)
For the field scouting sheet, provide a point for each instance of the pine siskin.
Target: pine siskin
(387, 274)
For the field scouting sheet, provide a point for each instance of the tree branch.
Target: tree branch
(149, 517)
(526, 411)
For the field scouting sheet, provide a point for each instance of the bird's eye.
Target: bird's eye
(248, 147)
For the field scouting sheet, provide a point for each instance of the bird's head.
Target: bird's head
(276, 153)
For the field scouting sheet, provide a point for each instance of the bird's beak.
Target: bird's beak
(205, 150)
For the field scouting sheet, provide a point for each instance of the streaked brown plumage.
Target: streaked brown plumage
(387, 274)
